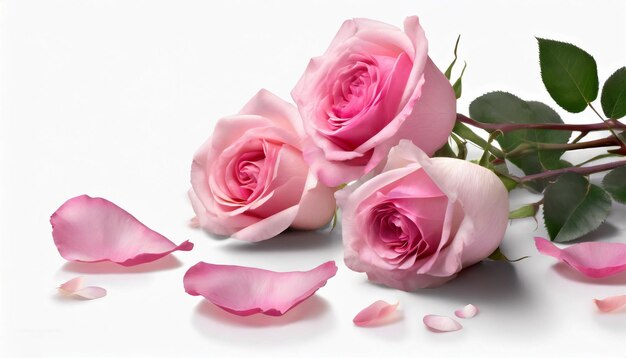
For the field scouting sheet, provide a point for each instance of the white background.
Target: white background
(111, 99)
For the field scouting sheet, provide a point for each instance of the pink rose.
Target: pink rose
(374, 86)
(422, 220)
(249, 179)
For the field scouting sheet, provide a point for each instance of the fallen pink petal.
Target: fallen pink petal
(611, 303)
(441, 324)
(468, 311)
(89, 229)
(246, 291)
(377, 313)
(593, 259)
(74, 287)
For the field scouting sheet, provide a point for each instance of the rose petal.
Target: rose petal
(94, 229)
(593, 259)
(468, 311)
(441, 324)
(247, 290)
(74, 287)
(91, 292)
(611, 303)
(376, 313)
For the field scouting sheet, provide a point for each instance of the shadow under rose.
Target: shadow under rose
(488, 282)
(308, 319)
(166, 263)
(564, 270)
(291, 240)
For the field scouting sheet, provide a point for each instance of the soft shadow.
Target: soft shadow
(566, 271)
(311, 308)
(611, 321)
(604, 231)
(488, 282)
(392, 328)
(291, 240)
(304, 322)
(166, 263)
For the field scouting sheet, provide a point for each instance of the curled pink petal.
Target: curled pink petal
(611, 303)
(593, 259)
(468, 311)
(247, 290)
(441, 324)
(74, 287)
(94, 229)
(376, 313)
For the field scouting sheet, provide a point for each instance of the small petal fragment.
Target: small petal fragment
(245, 291)
(441, 324)
(593, 259)
(74, 287)
(375, 314)
(610, 303)
(468, 311)
(89, 229)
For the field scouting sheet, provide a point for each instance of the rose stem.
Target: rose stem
(525, 148)
(580, 170)
(508, 127)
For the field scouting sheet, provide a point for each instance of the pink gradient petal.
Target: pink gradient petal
(593, 259)
(468, 311)
(90, 292)
(441, 324)
(74, 287)
(611, 303)
(244, 291)
(89, 229)
(377, 313)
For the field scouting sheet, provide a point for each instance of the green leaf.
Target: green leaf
(466, 133)
(335, 220)
(503, 107)
(573, 207)
(614, 95)
(445, 151)
(526, 211)
(461, 146)
(486, 159)
(615, 183)
(497, 255)
(448, 72)
(458, 85)
(569, 74)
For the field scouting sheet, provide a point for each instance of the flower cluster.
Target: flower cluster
(371, 109)
(367, 139)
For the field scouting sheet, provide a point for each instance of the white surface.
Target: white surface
(111, 99)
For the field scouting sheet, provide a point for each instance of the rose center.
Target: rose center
(396, 237)
(247, 172)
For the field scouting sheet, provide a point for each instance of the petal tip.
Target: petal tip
(468, 311)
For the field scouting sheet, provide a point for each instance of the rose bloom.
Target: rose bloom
(249, 179)
(374, 86)
(422, 220)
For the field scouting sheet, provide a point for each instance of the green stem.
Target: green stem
(621, 142)
(526, 148)
(509, 127)
(580, 170)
